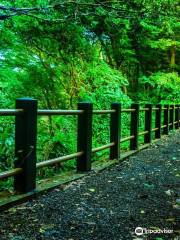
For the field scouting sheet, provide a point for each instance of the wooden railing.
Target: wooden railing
(26, 114)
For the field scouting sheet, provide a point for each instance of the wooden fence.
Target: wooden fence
(26, 114)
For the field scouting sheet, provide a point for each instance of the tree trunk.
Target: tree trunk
(172, 57)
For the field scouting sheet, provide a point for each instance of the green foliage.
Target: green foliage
(102, 52)
(103, 85)
(164, 87)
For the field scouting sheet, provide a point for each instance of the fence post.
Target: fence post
(115, 128)
(177, 116)
(148, 124)
(134, 126)
(158, 121)
(84, 137)
(171, 120)
(166, 120)
(25, 145)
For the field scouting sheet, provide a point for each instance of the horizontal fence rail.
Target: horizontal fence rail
(144, 109)
(58, 112)
(167, 118)
(102, 147)
(128, 110)
(126, 139)
(10, 173)
(143, 133)
(103, 111)
(11, 112)
(58, 160)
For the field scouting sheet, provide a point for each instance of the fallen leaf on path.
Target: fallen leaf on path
(92, 190)
(12, 210)
(87, 194)
(176, 206)
(170, 219)
(46, 227)
(168, 192)
(148, 186)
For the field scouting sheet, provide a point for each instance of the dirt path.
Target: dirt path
(142, 191)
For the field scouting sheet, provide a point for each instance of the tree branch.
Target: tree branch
(9, 12)
(79, 8)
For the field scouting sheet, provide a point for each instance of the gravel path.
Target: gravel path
(142, 191)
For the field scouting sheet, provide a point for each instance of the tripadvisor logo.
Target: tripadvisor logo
(140, 231)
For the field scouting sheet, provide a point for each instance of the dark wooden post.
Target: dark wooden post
(166, 120)
(171, 120)
(134, 126)
(115, 128)
(158, 121)
(84, 141)
(148, 124)
(25, 145)
(177, 116)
